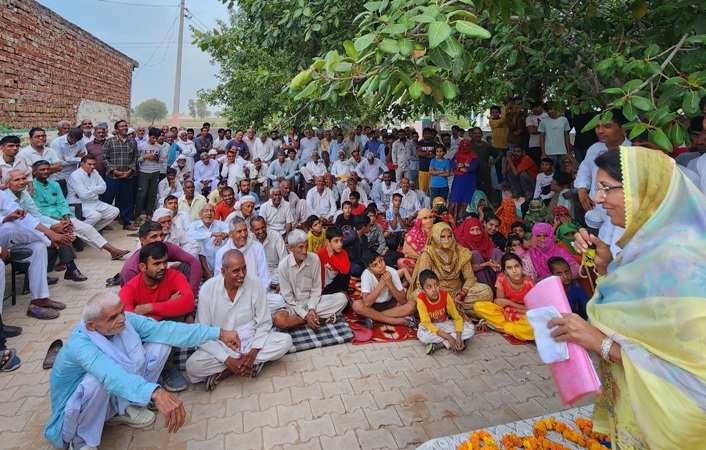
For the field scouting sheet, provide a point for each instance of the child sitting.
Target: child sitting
(513, 243)
(506, 313)
(357, 208)
(574, 292)
(519, 228)
(397, 216)
(542, 189)
(346, 218)
(335, 265)
(317, 239)
(561, 187)
(382, 296)
(393, 253)
(436, 329)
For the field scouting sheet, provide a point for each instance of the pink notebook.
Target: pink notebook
(575, 377)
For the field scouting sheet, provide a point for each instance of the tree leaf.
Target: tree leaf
(629, 111)
(441, 59)
(453, 48)
(428, 71)
(415, 90)
(301, 79)
(449, 90)
(350, 49)
(614, 91)
(472, 30)
(690, 104)
(593, 123)
(639, 11)
(364, 42)
(406, 47)
(423, 18)
(638, 130)
(657, 136)
(342, 67)
(641, 103)
(438, 32)
(389, 46)
(372, 6)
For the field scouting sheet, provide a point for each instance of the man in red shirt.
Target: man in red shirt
(227, 205)
(522, 172)
(160, 293)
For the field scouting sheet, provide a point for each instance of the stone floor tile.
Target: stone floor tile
(372, 439)
(422, 377)
(342, 373)
(379, 418)
(394, 381)
(530, 408)
(471, 420)
(283, 397)
(362, 400)
(444, 409)
(279, 435)
(325, 361)
(399, 365)
(216, 409)
(287, 414)
(370, 383)
(300, 394)
(447, 373)
(189, 432)
(218, 441)
(368, 368)
(411, 436)
(440, 429)
(520, 361)
(413, 413)
(346, 441)
(349, 421)
(337, 388)
(389, 398)
(380, 353)
(259, 419)
(251, 440)
(318, 376)
(525, 391)
(354, 357)
(249, 403)
(320, 407)
(294, 367)
(427, 362)
(500, 414)
(311, 429)
(284, 382)
(229, 424)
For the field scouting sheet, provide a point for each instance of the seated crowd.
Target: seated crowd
(241, 239)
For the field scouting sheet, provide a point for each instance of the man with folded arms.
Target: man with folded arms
(108, 368)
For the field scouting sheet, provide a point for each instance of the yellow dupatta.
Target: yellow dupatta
(653, 303)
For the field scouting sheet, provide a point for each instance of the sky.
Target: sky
(148, 34)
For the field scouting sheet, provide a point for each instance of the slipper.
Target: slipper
(429, 349)
(113, 281)
(52, 305)
(369, 322)
(120, 255)
(410, 321)
(332, 319)
(259, 369)
(42, 313)
(12, 362)
(52, 353)
(212, 381)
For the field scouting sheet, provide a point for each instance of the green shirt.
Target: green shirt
(50, 199)
(484, 152)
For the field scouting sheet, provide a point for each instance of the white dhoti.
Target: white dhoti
(90, 406)
(202, 364)
(14, 235)
(328, 305)
(427, 337)
(88, 233)
(99, 214)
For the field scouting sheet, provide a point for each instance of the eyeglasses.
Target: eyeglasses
(604, 189)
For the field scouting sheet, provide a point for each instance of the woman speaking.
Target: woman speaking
(648, 315)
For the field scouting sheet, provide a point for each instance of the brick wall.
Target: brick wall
(48, 68)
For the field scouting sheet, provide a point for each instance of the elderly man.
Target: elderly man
(38, 150)
(277, 213)
(206, 174)
(244, 209)
(180, 219)
(85, 186)
(234, 169)
(182, 261)
(275, 250)
(95, 147)
(21, 230)
(340, 168)
(17, 182)
(210, 234)
(315, 166)
(51, 203)
(352, 144)
(108, 369)
(62, 128)
(254, 253)
(10, 147)
(258, 177)
(175, 235)
(382, 192)
(191, 202)
(70, 148)
(321, 202)
(159, 293)
(371, 169)
(120, 159)
(351, 186)
(140, 136)
(263, 148)
(182, 169)
(87, 128)
(279, 170)
(235, 301)
(300, 287)
(410, 201)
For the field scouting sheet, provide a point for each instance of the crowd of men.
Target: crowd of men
(237, 233)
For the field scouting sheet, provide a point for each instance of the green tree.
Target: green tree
(152, 110)
(192, 108)
(201, 109)
(644, 57)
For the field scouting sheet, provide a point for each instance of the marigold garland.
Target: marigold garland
(539, 441)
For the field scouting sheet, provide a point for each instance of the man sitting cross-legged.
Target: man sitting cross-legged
(51, 203)
(108, 368)
(383, 298)
(211, 235)
(85, 185)
(300, 287)
(160, 293)
(235, 301)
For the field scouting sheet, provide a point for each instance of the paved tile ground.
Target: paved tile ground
(343, 397)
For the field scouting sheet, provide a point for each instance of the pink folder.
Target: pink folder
(575, 377)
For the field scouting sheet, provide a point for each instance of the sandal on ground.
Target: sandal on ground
(12, 362)
(259, 369)
(113, 281)
(42, 313)
(429, 349)
(332, 319)
(53, 351)
(213, 380)
(369, 322)
(120, 254)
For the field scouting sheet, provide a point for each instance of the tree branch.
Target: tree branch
(664, 64)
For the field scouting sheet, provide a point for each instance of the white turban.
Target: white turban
(161, 212)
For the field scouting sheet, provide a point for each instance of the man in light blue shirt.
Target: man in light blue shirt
(111, 363)
(69, 148)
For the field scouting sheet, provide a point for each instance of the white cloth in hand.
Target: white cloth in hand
(549, 350)
(246, 334)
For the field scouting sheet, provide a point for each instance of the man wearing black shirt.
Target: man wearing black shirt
(426, 150)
